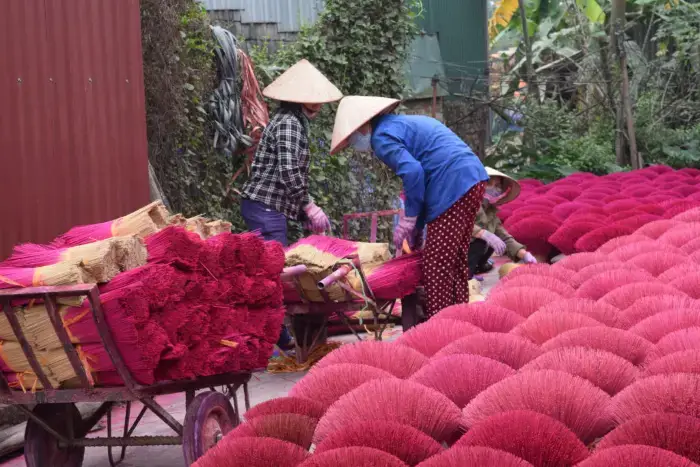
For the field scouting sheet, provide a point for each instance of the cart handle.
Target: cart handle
(339, 273)
(293, 271)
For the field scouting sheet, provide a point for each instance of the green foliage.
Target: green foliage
(361, 46)
(180, 77)
(575, 130)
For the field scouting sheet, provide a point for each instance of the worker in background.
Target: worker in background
(489, 236)
(278, 187)
(443, 182)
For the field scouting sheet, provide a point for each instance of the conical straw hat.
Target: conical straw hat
(355, 111)
(303, 84)
(513, 184)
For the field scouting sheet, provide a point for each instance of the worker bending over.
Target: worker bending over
(443, 182)
(489, 236)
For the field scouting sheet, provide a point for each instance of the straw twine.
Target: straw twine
(289, 364)
(320, 264)
(144, 222)
(198, 225)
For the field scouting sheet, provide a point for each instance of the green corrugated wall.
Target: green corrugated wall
(461, 26)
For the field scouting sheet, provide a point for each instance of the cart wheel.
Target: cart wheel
(209, 417)
(40, 446)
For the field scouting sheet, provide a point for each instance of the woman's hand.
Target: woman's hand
(527, 257)
(498, 245)
(404, 231)
(317, 218)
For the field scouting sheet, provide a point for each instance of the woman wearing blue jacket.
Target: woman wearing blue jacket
(443, 181)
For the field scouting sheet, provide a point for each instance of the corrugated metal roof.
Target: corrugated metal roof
(424, 63)
(461, 27)
(291, 15)
(73, 146)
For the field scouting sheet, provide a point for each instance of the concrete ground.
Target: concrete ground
(263, 387)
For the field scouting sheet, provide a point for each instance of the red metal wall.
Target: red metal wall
(73, 144)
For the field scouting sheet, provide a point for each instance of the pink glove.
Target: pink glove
(529, 259)
(318, 219)
(404, 231)
(498, 245)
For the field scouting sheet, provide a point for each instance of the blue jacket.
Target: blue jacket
(437, 168)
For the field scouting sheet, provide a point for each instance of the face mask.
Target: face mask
(493, 192)
(360, 142)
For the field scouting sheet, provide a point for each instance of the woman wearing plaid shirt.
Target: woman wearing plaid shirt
(278, 187)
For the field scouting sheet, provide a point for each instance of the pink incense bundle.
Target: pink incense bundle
(461, 377)
(487, 316)
(534, 232)
(692, 246)
(327, 385)
(587, 215)
(579, 261)
(523, 300)
(253, 452)
(619, 242)
(656, 229)
(658, 262)
(601, 284)
(593, 270)
(474, 456)
(540, 270)
(410, 445)
(55, 274)
(526, 213)
(397, 277)
(549, 283)
(680, 235)
(514, 351)
(569, 193)
(624, 344)
(673, 432)
(272, 260)
(575, 402)
(678, 341)
(292, 405)
(691, 215)
(532, 436)
(429, 337)
(143, 222)
(687, 361)
(565, 210)
(601, 312)
(626, 295)
(635, 222)
(607, 371)
(656, 327)
(176, 246)
(293, 428)
(566, 236)
(353, 457)
(649, 306)
(622, 205)
(598, 237)
(672, 209)
(634, 250)
(675, 393)
(543, 326)
(124, 310)
(689, 285)
(394, 400)
(397, 360)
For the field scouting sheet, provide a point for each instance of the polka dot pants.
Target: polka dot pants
(446, 253)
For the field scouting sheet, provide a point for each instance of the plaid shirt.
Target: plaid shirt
(279, 177)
